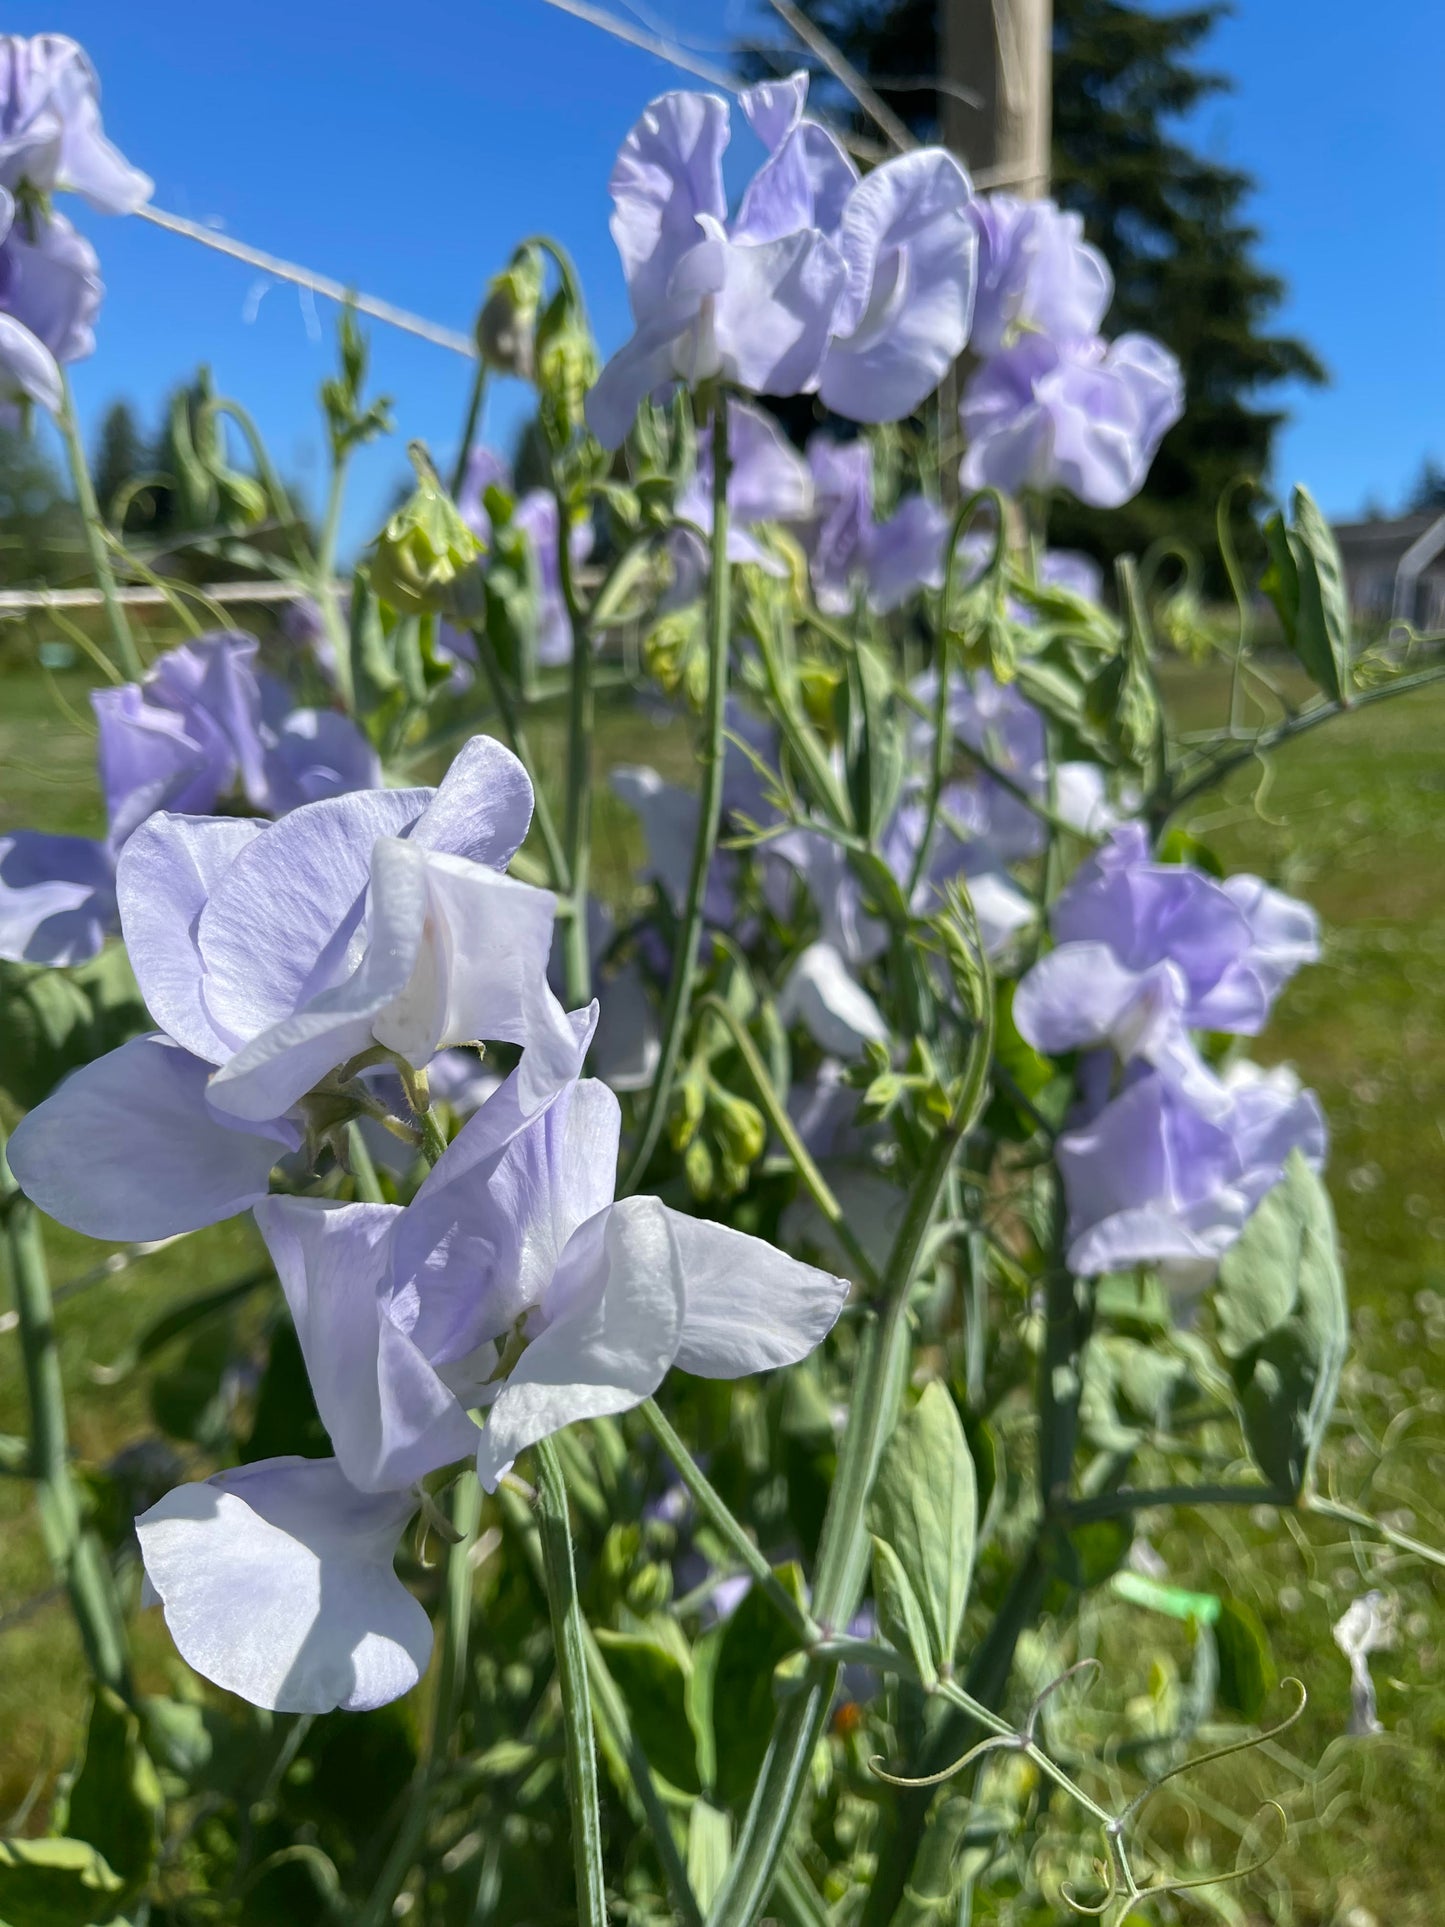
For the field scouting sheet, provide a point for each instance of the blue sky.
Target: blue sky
(404, 148)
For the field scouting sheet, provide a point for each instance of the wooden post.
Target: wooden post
(1000, 50)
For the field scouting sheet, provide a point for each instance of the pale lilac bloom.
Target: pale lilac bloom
(903, 232)
(1036, 274)
(1087, 416)
(768, 481)
(202, 726)
(50, 291)
(861, 290)
(512, 1283)
(849, 551)
(50, 132)
(1147, 951)
(270, 955)
(1152, 1180)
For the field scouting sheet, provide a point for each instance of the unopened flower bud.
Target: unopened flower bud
(508, 319)
(424, 549)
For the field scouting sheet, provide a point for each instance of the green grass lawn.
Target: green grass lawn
(1352, 817)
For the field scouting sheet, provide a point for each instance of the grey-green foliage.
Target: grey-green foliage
(924, 1520)
(1306, 583)
(1284, 1324)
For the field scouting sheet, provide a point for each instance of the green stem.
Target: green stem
(720, 1517)
(777, 1115)
(516, 735)
(843, 1546)
(325, 582)
(75, 1552)
(1114, 1505)
(612, 1712)
(95, 535)
(455, 1636)
(475, 397)
(580, 737)
(1267, 739)
(942, 734)
(709, 815)
(1347, 1515)
(569, 1631)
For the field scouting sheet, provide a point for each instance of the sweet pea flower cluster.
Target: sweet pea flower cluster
(51, 142)
(514, 1287)
(768, 481)
(1167, 1169)
(858, 290)
(203, 726)
(272, 955)
(1054, 405)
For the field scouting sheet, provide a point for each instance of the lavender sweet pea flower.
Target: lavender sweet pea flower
(1149, 950)
(1085, 415)
(1036, 274)
(57, 897)
(756, 313)
(847, 549)
(50, 132)
(1152, 1180)
(201, 726)
(272, 954)
(768, 481)
(50, 292)
(514, 1283)
(904, 317)
(911, 253)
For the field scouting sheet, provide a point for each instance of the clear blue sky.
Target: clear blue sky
(403, 146)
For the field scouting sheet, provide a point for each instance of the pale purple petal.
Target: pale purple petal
(278, 927)
(166, 873)
(905, 553)
(57, 897)
(616, 1311)
(278, 1583)
(28, 370)
(804, 184)
(128, 1147)
(390, 1417)
(483, 809)
(912, 257)
(667, 173)
(833, 1007)
(1036, 274)
(50, 131)
(748, 1307)
(50, 283)
(481, 1240)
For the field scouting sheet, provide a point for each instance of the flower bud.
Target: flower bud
(567, 364)
(424, 549)
(508, 318)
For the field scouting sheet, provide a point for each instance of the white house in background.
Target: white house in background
(1395, 569)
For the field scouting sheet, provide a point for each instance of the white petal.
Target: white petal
(617, 1310)
(749, 1308)
(830, 1004)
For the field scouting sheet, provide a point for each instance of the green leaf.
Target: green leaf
(1305, 581)
(56, 1883)
(709, 1845)
(901, 1618)
(751, 1644)
(1284, 1324)
(651, 1669)
(1323, 638)
(925, 1508)
(116, 1801)
(53, 1021)
(1246, 1665)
